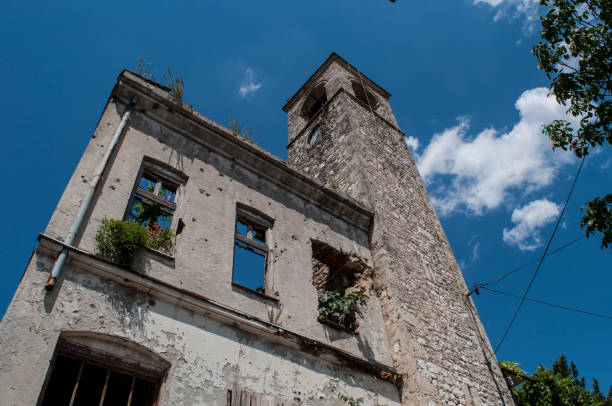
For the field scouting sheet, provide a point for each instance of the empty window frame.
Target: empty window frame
(251, 252)
(78, 381)
(153, 203)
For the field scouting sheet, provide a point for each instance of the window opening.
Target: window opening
(315, 100)
(152, 206)
(316, 134)
(342, 282)
(78, 381)
(365, 96)
(250, 251)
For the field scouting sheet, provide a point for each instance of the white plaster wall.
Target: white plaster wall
(203, 257)
(207, 357)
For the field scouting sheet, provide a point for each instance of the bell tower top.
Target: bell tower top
(333, 76)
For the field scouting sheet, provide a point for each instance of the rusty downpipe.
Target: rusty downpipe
(78, 221)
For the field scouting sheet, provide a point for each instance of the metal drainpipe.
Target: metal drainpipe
(76, 225)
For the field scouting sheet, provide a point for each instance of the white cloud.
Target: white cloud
(491, 2)
(527, 10)
(475, 252)
(528, 220)
(479, 173)
(249, 85)
(413, 143)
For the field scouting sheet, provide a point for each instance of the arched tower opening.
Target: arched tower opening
(315, 100)
(364, 95)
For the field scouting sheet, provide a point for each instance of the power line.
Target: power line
(518, 268)
(542, 258)
(550, 304)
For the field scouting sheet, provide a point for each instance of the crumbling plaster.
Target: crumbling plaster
(203, 257)
(375, 207)
(206, 356)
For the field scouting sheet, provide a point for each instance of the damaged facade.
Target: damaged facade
(224, 305)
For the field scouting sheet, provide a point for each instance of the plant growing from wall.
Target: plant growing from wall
(148, 213)
(159, 238)
(175, 84)
(274, 316)
(350, 400)
(235, 126)
(120, 241)
(342, 309)
(142, 68)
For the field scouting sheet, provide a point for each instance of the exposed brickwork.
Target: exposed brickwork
(334, 270)
(437, 341)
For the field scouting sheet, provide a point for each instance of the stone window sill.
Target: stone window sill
(336, 325)
(160, 255)
(256, 293)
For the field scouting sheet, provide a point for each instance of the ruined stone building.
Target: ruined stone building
(261, 282)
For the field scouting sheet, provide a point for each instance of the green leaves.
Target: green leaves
(598, 217)
(176, 85)
(513, 366)
(120, 241)
(147, 211)
(342, 309)
(558, 387)
(349, 400)
(159, 238)
(575, 53)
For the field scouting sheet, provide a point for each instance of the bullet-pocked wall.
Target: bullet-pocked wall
(269, 344)
(203, 254)
(206, 357)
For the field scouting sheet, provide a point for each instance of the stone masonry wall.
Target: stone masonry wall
(437, 341)
(336, 77)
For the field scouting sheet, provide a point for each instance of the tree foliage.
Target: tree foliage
(576, 55)
(559, 387)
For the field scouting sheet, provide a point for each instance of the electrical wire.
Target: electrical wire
(552, 235)
(604, 316)
(518, 268)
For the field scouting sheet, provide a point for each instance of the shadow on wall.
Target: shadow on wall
(133, 311)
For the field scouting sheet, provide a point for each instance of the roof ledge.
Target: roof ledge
(182, 118)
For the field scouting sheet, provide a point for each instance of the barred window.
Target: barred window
(82, 376)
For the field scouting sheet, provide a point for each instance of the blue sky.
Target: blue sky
(466, 91)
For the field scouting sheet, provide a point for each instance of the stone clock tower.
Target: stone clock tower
(343, 133)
